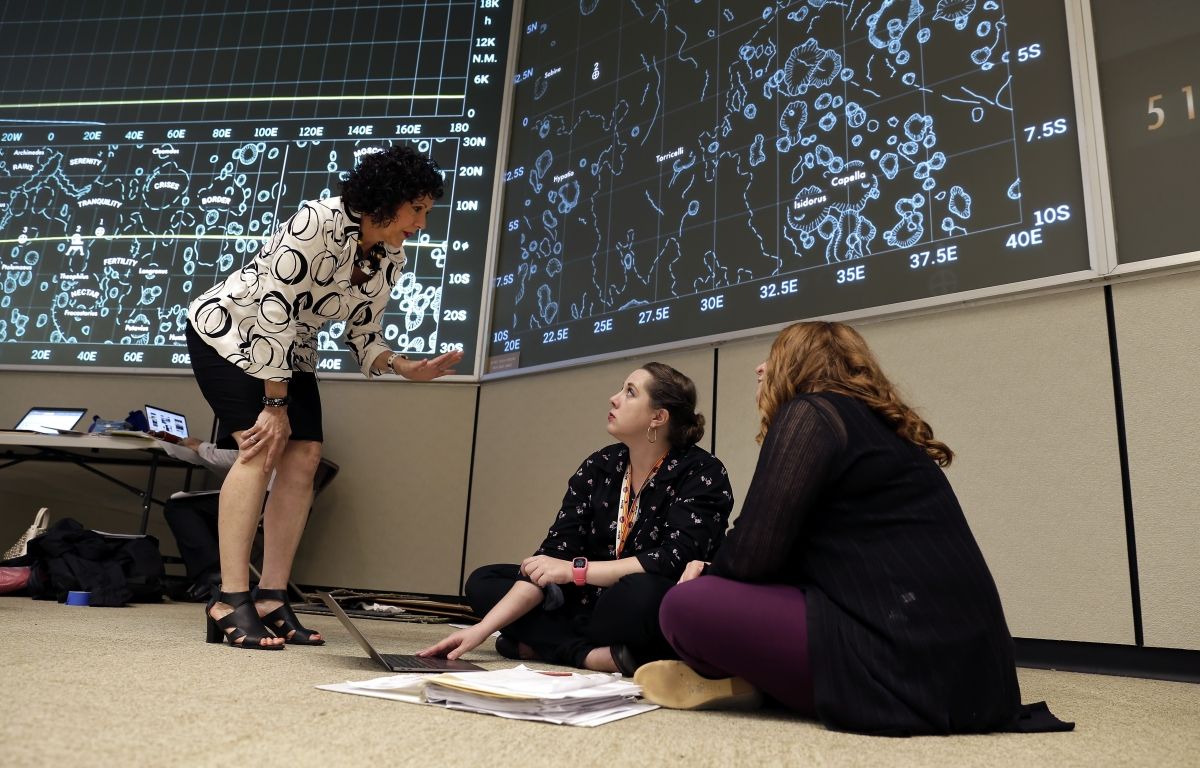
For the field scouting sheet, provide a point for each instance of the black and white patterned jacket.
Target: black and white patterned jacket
(265, 317)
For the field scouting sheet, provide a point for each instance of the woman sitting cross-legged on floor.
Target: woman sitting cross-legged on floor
(850, 588)
(634, 514)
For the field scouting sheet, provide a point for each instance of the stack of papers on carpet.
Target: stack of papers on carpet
(565, 698)
(521, 693)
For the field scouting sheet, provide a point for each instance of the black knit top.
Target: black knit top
(906, 631)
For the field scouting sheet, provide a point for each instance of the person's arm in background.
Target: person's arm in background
(219, 460)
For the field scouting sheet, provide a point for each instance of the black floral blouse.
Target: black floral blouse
(682, 515)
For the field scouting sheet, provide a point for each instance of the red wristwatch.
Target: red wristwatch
(579, 571)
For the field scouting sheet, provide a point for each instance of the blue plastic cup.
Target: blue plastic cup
(78, 598)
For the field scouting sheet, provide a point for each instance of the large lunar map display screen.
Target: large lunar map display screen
(148, 149)
(693, 169)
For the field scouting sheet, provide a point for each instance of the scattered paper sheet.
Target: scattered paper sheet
(563, 698)
(386, 610)
(408, 688)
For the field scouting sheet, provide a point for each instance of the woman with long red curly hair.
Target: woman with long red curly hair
(850, 588)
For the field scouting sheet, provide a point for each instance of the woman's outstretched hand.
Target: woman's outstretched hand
(428, 370)
(270, 433)
(455, 645)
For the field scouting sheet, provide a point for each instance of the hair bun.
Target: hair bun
(670, 389)
(694, 432)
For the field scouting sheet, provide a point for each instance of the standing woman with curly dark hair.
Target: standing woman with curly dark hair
(850, 588)
(253, 345)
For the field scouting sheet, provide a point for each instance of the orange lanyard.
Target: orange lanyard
(630, 503)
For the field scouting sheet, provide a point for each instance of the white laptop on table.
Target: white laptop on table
(48, 420)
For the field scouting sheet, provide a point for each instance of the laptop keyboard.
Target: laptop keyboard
(398, 661)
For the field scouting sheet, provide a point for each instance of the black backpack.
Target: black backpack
(115, 569)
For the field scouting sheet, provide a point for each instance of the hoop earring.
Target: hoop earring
(651, 434)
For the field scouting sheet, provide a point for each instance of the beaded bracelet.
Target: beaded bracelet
(392, 358)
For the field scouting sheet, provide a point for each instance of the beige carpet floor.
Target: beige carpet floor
(137, 686)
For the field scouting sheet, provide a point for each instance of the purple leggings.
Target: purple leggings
(757, 632)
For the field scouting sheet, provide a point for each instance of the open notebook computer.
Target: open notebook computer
(392, 661)
(162, 420)
(48, 420)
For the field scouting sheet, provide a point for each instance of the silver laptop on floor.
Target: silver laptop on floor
(392, 661)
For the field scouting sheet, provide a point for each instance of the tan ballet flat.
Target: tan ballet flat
(675, 685)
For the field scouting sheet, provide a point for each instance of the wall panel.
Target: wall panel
(1158, 326)
(394, 517)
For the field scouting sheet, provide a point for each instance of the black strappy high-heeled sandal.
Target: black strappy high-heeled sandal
(283, 620)
(242, 624)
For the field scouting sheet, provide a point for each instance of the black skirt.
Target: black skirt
(236, 397)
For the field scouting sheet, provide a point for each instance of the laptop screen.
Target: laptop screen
(162, 420)
(46, 419)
